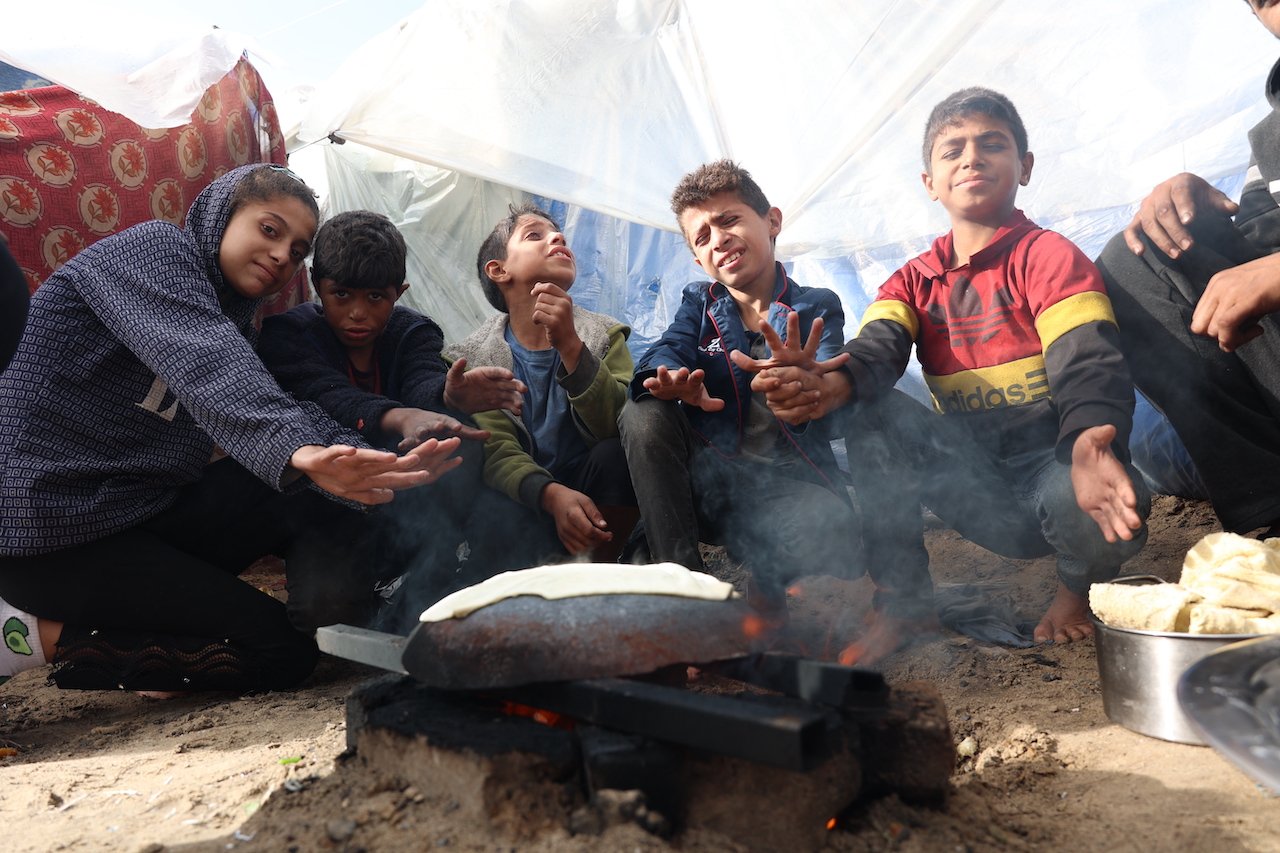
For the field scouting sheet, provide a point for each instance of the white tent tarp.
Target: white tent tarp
(605, 104)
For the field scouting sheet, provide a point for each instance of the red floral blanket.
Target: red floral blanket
(72, 172)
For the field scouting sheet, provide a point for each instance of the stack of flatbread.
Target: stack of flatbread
(1230, 585)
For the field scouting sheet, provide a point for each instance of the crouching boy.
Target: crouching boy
(376, 367)
(1018, 345)
(556, 454)
(711, 463)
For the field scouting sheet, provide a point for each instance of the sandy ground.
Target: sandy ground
(113, 771)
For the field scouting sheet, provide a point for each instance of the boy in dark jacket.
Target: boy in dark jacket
(375, 366)
(1018, 345)
(710, 462)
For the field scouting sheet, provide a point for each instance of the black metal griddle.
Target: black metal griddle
(572, 656)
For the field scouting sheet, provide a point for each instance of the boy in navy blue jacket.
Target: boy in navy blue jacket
(709, 460)
(375, 366)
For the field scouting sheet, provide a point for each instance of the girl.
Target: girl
(117, 528)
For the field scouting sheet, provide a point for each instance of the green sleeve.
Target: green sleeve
(508, 467)
(598, 387)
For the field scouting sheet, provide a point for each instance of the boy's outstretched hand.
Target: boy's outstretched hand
(372, 476)
(482, 389)
(418, 425)
(1102, 485)
(794, 382)
(553, 311)
(684, 385)
(1235, 300)
(1171, 206)
(579, 522)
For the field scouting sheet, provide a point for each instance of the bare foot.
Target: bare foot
(884, 636)
(1066, 620)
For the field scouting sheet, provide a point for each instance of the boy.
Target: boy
(711, 462)
(375, 366)
(558, 455)
(1194, 291)
(1019, 348)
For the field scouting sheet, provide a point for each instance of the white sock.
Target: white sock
(21, 649)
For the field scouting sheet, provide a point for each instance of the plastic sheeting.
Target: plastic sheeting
(606, 104)
(152, 71)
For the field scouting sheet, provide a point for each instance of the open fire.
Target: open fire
(764, 747)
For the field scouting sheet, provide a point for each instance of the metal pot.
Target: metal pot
(1140, 672)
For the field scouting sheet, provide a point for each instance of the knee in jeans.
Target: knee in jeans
(648, 422)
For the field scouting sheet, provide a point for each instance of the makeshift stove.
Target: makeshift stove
(519, 714)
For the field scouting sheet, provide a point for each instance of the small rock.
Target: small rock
(340, 830)
(967, 747)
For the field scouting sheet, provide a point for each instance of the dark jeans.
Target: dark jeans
(777, 520)
(1004, 491)
(1224, 406)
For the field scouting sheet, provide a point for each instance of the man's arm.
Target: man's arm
(1163, 215)
(1236, 299)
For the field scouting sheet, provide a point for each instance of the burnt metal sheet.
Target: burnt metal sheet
(527, 639)
(778, 731)
(834, 685)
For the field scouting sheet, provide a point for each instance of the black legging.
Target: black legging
(159, 606)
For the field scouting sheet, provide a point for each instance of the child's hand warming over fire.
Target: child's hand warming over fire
(1102, 485)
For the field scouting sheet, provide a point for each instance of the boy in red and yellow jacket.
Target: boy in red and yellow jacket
(1018, 345)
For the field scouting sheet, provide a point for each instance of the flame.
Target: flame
(754, 626)
(831, 824)
(849, 655)
(795, 591)
(539, 715)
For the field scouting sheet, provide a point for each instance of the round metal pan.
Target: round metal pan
(528, 639)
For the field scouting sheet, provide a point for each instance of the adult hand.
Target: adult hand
(1171, 206)
(417, 425)
(685, 385)
(359, 474)
(1236, 299)
(579, 523)
(483, 389)
(1102, 485)
(553, 311)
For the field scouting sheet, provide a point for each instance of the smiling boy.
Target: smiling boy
(558, 455)
(1018, 346)
(710, 462)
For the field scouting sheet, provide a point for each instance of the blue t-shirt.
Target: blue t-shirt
(557, 444)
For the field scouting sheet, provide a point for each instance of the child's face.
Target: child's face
(975, 170)
(536, 252)
(357, 315)
(1268, 13)
(264, 243)
(731, 242)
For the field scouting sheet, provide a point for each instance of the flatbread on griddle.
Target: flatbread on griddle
(570, 580)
